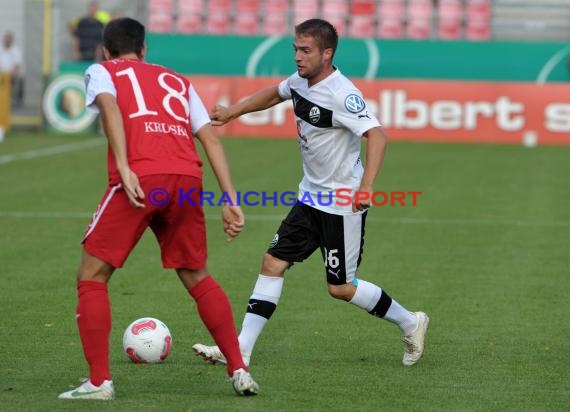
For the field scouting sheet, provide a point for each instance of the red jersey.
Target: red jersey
(155, 105)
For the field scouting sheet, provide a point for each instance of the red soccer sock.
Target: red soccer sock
(94, 323)
(216, 313)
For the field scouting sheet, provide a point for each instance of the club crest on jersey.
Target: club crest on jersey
(354, 103)
(314, 114)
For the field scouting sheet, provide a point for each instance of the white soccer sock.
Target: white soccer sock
(366, 296)
(261, 305)
(399, 315)
(378, 303)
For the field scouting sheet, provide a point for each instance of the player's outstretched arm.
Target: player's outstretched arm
(260, 100)
(115, 132)
(232, 215)
(375, 151)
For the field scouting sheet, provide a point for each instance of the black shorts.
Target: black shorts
(340, 238)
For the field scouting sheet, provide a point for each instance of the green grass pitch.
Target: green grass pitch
(485, 253)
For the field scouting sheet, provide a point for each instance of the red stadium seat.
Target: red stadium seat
(306, 6)
(478, 25)
(160, 5)
(449, 30)
(304, 10)
(339, 23)
(362, 18)
(419, 19)
(219, 6)
(361, 26)
(279, 7)
(419, 29)
(362, 7)
(187, 6)
(481, 8)
(391, 8)
(189, 16)
(275, 25)
(390, 27)
(247, 6)
(391, 19)
(275, 17)
(160, 22)
(189, 23)
(450, 16)
(160, 16)
(418, 8)
(478, 31)
(336, 13)
(335, 8)
(246, 23)
(218, 23)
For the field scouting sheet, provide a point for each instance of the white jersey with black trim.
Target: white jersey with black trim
(331, 119)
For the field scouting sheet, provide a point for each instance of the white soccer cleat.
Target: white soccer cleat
(104, 392)
(243, 383)
(414, 342)
(211, 354)
(214, 355)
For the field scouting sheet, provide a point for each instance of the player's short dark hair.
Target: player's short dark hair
(124, 35)
(321, 30)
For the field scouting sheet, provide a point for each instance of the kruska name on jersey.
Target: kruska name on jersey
(158, 127)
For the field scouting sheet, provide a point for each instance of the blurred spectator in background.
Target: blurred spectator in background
(11, 62)
(87, 33)
(117, 13)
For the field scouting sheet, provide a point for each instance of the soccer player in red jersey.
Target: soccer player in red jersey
(151, 115)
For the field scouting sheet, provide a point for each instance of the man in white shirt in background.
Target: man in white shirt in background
(11, 62)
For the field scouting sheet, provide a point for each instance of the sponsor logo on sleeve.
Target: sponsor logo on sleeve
(354, 103)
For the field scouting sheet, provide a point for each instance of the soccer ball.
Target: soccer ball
(147, 340)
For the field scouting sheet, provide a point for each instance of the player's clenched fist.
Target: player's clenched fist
(233, 220)
(220, 115)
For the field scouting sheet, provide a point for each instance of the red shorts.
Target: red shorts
(173, 213)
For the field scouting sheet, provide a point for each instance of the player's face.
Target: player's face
(310, 60)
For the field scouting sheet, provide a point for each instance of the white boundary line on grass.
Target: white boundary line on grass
(49, 151)
(274, 218)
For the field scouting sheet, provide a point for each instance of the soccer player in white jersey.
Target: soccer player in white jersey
(331, 117)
